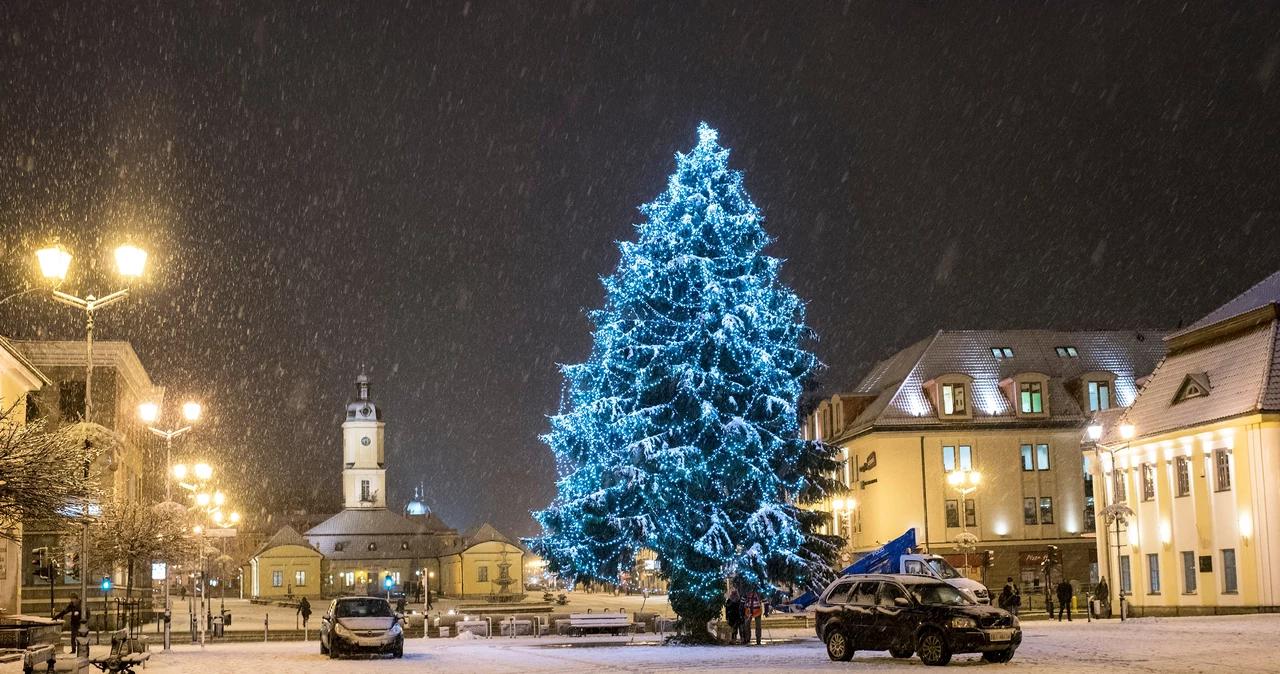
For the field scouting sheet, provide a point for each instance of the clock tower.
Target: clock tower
(364, 474)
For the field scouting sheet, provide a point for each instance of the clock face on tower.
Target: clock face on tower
(365, 441)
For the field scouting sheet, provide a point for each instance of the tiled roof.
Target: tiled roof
(899, 380)
(1265, 292)
(371, 521)
(385, 546)
(285, 536)
(1238, 371)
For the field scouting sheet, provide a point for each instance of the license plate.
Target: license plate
(999, 635)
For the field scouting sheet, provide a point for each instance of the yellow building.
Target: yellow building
(1196, 461)
(287, 566)
(1008, 405)
(483, 565)
(18, 378)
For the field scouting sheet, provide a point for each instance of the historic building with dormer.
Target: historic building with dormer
(366, 544)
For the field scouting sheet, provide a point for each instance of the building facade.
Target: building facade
(1195, 460)
(18, 379)
(120, 384)
(286, 566)
(1008, 405)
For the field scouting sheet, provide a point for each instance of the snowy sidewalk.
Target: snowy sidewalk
(1240, 644)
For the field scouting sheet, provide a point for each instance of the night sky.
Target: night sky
(434, 189)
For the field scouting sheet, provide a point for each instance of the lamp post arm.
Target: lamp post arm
(109, 299)
(70, 300)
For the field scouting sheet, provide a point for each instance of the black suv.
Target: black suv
(911, 614)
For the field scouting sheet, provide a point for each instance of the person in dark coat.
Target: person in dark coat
(400, 604)
(73, 609)
(304, 610)
(1064, 599)
(1102, 592)
(733, 615)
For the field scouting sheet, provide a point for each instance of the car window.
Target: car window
(939, 595)
(889, 592)
(840, 593)
(364, 608)
(913, 567)
(865, 594)
(944, 569)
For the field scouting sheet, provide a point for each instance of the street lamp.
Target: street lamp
(55, 261)
(965, 482)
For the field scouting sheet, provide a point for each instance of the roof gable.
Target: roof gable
(285, 536)
(1266, 292)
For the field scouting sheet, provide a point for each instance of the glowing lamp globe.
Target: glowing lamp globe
(1095, 432)
(955, 478)
(974, 477)
(204, 471)
(838, 504)
(180, 471)
(219, 499)
(235, 517)
(54, 262)
(148, 412)
(191, 411)
(202, 500)
(1126, 431)
(130, 260)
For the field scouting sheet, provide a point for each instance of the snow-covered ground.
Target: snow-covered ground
(1242, 644)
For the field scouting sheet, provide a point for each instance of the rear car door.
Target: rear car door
(832, 606)
(861, 616)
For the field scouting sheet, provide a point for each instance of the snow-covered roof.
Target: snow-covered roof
(285, 536)
(376, 521)
(898, 382)
(1265, 292)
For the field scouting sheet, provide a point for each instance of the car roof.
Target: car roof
(341, 599)
(904, 578)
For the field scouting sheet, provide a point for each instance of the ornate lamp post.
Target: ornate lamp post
(54, 263)
(965, 482)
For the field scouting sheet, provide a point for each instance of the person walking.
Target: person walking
(733, 616)
(400, 604)
(304, 610)
(1064, 598)
(1006, 596)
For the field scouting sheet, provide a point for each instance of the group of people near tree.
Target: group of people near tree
(739, 611)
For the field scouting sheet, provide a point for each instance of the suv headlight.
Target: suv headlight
(962, 622)
(1015, 621)
(395, 629)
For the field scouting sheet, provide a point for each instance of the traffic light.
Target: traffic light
(106, 583)
(388, 582)
(990, 560)
(40, 563)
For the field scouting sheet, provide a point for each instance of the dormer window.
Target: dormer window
(340, 546)
(1002, 352)
(1031, 397)
(1099, 395)
(954, 400)
(373, 547)
(404, 545)
(1195, 385)
(1068, 352)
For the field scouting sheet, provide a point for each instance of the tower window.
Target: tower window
(364, 490)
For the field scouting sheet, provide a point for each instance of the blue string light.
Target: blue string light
(679, 433)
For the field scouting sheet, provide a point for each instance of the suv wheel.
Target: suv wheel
(839, 648)
(901, 653)
(933, 648)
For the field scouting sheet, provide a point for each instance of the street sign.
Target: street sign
(220, 533)
(159, 570)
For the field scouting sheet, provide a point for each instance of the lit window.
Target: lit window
(1222, 469)
(364, 490)
(948, 459)
(1068, 352)
(953, 399)
(966, 457)
(1042, 457)
(1027, 464)
(277, 579)
(1046, 510)
(482, 574)
(970, 513)
(300, 578)
(1002, 352)
(1032, 395)
(1099, 395)
(1153, 571)
(1148, 482)
(1182, 470)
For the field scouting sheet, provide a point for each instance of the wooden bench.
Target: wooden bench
(617, 623)
(126, 653)
(479, 628)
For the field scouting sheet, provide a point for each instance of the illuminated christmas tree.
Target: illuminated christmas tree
(680, 433)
